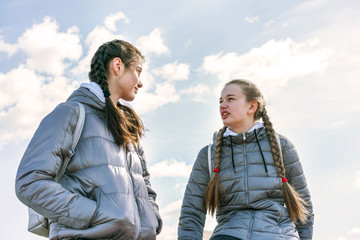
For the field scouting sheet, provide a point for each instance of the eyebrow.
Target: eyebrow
(229, 95)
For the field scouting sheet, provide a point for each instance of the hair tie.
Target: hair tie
(106, 93)
(284, 179)
(216, 170)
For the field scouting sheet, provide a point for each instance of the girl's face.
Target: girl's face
(235, 111)
(129, 81)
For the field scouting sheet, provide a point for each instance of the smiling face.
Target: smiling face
(129, 82)
(235, 111)
(124, 82)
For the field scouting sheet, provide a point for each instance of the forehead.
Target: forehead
(231, 89)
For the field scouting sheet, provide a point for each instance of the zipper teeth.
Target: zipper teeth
(246, 173)
(251, 224)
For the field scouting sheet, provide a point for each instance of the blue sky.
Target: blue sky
(304, 56)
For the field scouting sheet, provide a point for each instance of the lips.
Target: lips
(224, 114)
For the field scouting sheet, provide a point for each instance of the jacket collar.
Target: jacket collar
(249, 136)
(228, 132)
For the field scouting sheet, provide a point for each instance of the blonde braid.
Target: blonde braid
(214, 191)
(295, 205)
(275, 148)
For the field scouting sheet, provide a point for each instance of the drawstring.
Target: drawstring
(262, 155)
(232, 154)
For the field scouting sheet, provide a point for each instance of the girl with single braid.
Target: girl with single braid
(105, 192)
(257, 186)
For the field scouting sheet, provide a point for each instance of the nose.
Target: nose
(222, 105)
(140, 84)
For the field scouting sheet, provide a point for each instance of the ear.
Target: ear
(117, 66)
(253, 107)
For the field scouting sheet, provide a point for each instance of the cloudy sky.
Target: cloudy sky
(304, 56)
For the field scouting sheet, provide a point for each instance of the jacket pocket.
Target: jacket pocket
(148, 218)
(114, 214)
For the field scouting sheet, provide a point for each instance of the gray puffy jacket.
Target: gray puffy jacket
(105, 192)
(253, 204)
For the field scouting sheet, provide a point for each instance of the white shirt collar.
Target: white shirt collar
(228, 132)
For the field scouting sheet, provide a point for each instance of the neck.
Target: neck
(115, 96)
(114, 99)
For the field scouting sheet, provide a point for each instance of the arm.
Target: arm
(296, 178)
(192, 216)
(35, 185)
(151, 192)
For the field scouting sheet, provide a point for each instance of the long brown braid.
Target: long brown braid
(295, 205)
(214, 191)
(124, 124)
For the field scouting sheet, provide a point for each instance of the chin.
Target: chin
(226, 123)
(129, 99)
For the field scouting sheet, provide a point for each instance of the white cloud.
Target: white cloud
(270, 65)
(252, 19)
(47, 48)
(147, 78)
(170, 169)
(311, 5)
(171, 209)
(358, 179)
(110, 21)
(147, 101)
(336, 124)
(10, 49)
(268, 23)
(152, 43)
(25, 98)
(355, 231)
(173, 71)
(96, 37)
(168, 232)
(198, 92)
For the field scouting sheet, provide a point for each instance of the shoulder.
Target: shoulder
(66, 107)
(62, 114)
(285, 142)
(203, 153)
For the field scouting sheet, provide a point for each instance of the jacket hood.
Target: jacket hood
(85, 96)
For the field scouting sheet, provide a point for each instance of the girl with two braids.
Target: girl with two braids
(105, 192)
(257, 186)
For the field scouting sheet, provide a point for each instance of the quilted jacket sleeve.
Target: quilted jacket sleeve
(296, 177)
(192, 216)
(35, 185)
(151, 192)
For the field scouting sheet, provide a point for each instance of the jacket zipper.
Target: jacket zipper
(251, 224)
(246, 172)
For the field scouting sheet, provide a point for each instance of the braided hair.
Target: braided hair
(124, 124)
(295, 205)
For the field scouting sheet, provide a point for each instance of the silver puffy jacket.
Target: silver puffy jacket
(105, 192)
(253, 205)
